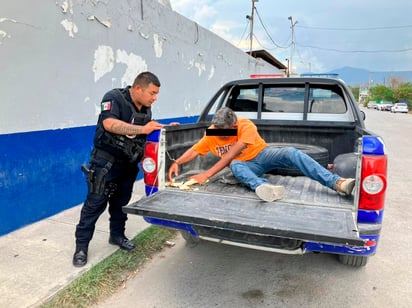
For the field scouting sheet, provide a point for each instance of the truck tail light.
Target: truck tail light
(149, 163)
(373, 175)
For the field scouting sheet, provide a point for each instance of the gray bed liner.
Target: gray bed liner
(309, 211)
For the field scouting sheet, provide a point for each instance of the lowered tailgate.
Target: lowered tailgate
(280, 219)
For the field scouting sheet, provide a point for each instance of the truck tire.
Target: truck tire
(355, 261)
(318, 153)
(191, 240)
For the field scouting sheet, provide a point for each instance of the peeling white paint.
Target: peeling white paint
(212, 72)
(3, 19)
(191, 63)
(135, 64)
(106, 23)
(145, 36)
(192, 108)
(3, 35)
(67, 6)
(103, 61)
(200, 68)
(158, 44)
(69, 26)
(105, 58)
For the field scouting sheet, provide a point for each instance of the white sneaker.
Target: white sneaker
(268, 192)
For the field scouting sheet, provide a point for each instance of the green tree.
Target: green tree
(355, 92)
(404, 93)
(381, 92)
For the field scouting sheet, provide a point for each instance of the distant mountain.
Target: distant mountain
(361, 77)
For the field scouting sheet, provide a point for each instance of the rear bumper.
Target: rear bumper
(345, 250)
(272, 244)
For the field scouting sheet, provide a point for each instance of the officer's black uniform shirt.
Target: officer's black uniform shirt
(114, 106)
(118, 104)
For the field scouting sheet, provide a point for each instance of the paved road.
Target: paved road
(213, 275)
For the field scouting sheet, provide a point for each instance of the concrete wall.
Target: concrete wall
(58, 58)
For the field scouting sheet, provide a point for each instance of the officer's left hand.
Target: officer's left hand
(151, 126)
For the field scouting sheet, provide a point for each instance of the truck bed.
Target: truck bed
(309, 211)
(299, 189)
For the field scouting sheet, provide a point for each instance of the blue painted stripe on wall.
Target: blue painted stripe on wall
(181, 120)
(40, 173)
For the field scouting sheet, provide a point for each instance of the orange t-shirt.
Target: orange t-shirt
(246, 132)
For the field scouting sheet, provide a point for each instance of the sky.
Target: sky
(375, 35)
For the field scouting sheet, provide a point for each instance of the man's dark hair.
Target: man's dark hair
(146, 78)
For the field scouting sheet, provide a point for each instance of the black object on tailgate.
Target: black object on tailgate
(307, 223)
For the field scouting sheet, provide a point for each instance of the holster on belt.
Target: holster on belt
(96, 181)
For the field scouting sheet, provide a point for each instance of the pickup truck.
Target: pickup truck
(317, 115)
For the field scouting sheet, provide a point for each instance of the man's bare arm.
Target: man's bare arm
(226, 159)
(123, 128)
(221, 164)
(186, 157)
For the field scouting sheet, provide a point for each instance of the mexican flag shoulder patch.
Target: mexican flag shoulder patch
(105, 106)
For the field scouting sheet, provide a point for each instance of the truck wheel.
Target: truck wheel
(191, 240)
(318, 153)
(355, 261)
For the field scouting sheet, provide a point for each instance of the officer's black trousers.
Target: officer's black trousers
(123, 176)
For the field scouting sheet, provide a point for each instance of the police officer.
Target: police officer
(121, 130)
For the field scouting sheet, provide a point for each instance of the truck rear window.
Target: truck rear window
(287, 99)
(283, 99)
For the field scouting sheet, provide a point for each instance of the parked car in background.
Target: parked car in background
(372, 105)
(400, 107)
(385, 106)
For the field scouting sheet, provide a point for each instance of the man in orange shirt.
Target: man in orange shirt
(249, 157)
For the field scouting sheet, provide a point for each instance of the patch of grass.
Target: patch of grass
(105, 278)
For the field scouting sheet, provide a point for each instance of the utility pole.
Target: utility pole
(287, 70)
(251, 18)
(292, 45)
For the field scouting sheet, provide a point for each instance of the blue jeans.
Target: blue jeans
(270, 158)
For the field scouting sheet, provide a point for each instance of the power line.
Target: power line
(358, 51)
(267, 32)
(261, 45)
(355, 29)
(244, 31)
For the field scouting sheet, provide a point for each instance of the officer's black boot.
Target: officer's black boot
(80, 257)
(122, 241)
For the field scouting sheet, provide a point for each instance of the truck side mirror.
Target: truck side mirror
(363, 115)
